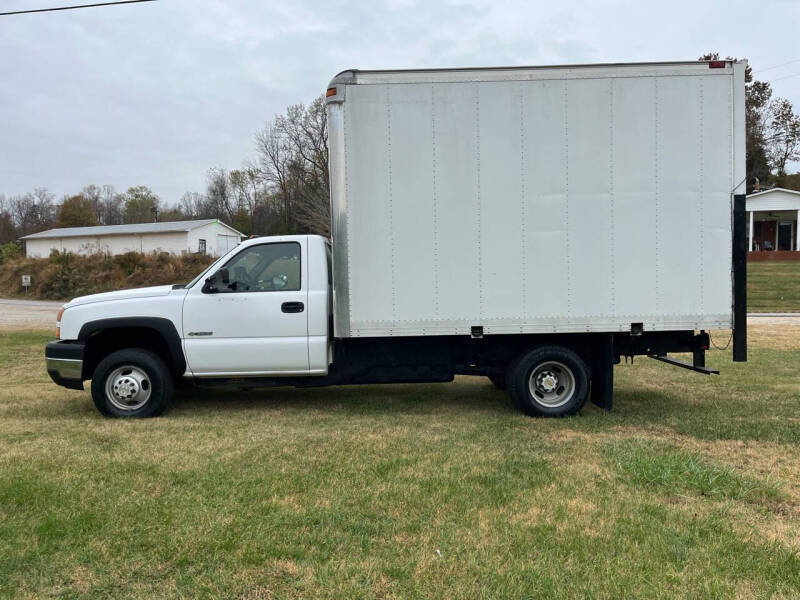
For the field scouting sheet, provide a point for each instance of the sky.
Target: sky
(157, 93)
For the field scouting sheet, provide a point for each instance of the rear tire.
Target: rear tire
(132, 383)
(550, 381)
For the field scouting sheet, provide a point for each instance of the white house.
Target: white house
(209, 236)
(772, 218)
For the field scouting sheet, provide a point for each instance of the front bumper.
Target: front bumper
(65, 363)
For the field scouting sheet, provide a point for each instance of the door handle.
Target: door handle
(292, 307)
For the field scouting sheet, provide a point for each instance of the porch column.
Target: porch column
(750, 240)
(777, 227)
(797, 233)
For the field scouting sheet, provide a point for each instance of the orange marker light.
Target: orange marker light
(330, 92)
(58, 324)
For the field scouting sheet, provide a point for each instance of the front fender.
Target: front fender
(165, 327)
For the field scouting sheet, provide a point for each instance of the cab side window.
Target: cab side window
(264, 268)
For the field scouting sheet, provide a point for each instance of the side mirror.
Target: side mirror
(210, 286)
(220, 276)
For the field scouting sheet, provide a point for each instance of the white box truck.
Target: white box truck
(530, 225)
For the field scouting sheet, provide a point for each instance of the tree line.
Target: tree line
(284, 187)
(772, 133)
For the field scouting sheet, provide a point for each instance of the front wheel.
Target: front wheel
(131, 383)
(551, 381)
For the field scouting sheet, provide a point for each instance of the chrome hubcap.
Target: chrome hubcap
(552, 384)
(128, 388)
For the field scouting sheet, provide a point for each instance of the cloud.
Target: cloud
(155, 94)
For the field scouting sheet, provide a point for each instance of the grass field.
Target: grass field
(689, 489)
(773, 286)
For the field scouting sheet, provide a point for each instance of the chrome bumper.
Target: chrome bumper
(64, 361)
(66, 368)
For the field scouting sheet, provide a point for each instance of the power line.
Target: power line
(41, 10)
(784, 77)
(788, 62)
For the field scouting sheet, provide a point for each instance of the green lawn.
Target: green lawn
(773, 286)
(690, 488)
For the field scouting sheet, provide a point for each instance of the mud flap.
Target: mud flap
(602, 393)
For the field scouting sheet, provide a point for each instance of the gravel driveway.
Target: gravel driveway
(28, 314)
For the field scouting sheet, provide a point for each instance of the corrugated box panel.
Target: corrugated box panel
(562, 204)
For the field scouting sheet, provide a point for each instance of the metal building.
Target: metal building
(209, 236)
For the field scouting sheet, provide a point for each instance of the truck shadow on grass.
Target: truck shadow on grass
(356, 399)
(670, 412)
(464, 395)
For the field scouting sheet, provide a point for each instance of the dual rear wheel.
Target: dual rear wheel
(550, 381)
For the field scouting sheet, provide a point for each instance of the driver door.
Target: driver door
(255, 323)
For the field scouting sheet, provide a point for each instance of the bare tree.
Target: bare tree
(274, 161)
(308, 131)
(32, 212)
(293, 163)
(93, 194)
(219, 196)
(111, 203)
(7, 232)
(783, 144)
(193, 205)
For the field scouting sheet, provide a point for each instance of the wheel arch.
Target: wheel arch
(156, 334)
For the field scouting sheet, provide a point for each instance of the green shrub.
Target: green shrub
(8, 252)
(130, 261)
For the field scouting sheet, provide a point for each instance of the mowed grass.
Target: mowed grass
(689, 489)
(773, 286)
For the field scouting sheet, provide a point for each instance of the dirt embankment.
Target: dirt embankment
(63, 275)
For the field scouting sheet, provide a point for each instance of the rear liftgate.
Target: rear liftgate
(739, 280)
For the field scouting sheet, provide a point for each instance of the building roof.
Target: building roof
(132, 229)
(769, 191)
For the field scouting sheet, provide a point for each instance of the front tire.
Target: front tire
(551, 381)
(132, 383)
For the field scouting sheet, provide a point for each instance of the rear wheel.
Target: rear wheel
(551, 381)
(132, 383)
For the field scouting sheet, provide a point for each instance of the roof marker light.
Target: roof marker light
(717, 64)
(330, 92)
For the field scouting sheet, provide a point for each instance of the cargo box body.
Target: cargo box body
(535, 200)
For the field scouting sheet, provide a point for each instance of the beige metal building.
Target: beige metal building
(208, 236)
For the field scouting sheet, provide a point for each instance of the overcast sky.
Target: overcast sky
(156, 93)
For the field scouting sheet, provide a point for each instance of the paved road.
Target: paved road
(21, 314)
(773, 318)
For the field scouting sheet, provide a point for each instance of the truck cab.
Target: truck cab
(261, 310)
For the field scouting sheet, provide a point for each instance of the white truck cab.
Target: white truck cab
(531, 225)
(260, 310)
